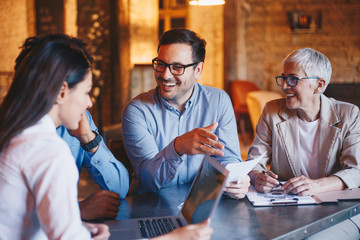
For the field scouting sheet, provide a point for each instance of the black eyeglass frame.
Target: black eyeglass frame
(169, 66)
(283, 78)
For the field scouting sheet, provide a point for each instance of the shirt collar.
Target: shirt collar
(188, 104)
(46, 123)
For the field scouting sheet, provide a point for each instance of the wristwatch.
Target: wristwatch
(90, 145)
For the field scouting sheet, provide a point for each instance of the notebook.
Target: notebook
(202, 199)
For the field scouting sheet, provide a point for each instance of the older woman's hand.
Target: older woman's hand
(264, 182)
(305, 186)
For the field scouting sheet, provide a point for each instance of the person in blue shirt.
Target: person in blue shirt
(168, 130)
(89, 151)
(104, 169)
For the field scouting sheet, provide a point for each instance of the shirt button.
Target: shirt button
(108, 181)
(178, 161)
(172, 176)
(96, 162)
(181, 182)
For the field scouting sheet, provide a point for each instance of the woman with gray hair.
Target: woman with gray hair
(312, 141)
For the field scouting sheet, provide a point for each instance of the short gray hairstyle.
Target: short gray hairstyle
(312, 62)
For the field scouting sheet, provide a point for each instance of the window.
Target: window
(172, 14)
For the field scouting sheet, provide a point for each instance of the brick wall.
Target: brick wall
(207, 21)
(143, 29)
(269, 38)
(14, 30)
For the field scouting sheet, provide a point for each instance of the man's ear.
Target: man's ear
(63, 93)
(198, 70)
(320, 84)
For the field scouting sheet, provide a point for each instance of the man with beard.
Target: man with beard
(168, 130)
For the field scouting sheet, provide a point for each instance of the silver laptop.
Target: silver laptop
(201, 201)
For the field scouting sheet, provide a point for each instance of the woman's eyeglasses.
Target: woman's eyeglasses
(290, 80)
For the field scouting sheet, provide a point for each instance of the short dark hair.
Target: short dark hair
(187, 36)
(40, 72)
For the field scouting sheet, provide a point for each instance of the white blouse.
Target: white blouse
(309, 136)
(38, 187)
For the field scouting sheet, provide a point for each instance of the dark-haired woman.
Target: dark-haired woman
(38, 176)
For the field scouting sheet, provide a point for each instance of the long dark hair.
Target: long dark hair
(37, 82)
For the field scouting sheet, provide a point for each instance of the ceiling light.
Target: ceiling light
(206, 2)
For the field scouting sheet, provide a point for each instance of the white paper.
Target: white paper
(241, 169)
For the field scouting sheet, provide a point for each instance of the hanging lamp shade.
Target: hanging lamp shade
(206, 2)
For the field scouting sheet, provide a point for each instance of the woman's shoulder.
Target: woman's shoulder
(45, 143)
(34, 151)
(339, 112)
(275, 105)
(342, 107)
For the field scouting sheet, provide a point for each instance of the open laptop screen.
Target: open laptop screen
(205, 192)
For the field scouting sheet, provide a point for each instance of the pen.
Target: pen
(280, 184)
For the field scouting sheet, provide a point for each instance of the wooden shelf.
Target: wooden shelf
(306, 30)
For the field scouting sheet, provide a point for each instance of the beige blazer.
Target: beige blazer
(339, 147)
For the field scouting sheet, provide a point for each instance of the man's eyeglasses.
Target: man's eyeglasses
(290, 80)
(176, 69)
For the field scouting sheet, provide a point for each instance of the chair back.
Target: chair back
(239, 89)
(256, 101)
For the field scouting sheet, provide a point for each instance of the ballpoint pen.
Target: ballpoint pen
(266, 173)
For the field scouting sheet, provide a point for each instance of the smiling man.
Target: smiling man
(168, 130)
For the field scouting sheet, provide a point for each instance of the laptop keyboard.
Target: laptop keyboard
(156, 227)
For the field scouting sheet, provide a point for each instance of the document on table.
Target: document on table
(241, 169)
(277, 197)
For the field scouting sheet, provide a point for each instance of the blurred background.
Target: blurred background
(246, 40)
